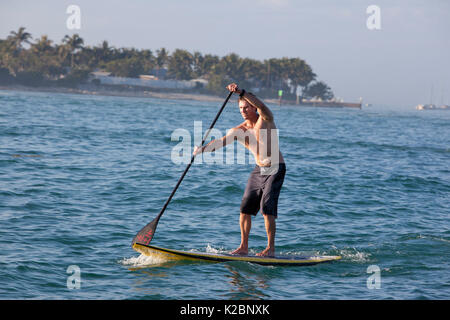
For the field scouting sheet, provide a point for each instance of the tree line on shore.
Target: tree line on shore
(40, 61)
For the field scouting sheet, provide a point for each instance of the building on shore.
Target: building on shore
(146, 81)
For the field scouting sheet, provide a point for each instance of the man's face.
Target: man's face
(247, 111)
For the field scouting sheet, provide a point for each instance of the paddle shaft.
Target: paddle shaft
(145, 235)
(193, 156)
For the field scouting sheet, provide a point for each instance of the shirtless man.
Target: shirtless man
(264, 185)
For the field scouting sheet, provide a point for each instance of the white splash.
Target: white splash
(211, 249)
(354, 255)
(141, 261)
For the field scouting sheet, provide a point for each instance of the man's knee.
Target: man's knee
(268, 216)
(246, 215)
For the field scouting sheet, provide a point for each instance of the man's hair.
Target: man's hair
(242, 99)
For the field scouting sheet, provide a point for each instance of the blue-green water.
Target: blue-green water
(80, 175)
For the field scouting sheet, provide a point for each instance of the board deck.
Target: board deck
(171, 254)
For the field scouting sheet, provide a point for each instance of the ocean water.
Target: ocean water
(80, 175)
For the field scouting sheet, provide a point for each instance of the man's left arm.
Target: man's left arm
(263, 110)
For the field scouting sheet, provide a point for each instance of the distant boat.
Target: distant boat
(432, 107)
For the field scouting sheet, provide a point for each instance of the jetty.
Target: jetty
(318, 103)
(331, 104)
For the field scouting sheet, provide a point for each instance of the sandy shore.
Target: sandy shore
(104, 92)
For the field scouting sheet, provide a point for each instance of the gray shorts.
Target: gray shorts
(262, 192)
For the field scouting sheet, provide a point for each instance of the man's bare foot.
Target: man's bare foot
(241, 251)
(268, 252)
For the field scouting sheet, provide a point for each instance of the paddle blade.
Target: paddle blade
(146, 234)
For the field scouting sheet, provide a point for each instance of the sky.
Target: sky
(404, 62)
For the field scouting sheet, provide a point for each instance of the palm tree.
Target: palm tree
(162, 58)
(148, 60)
(106, 50)
(301, 74)
(180, 65)
(72, 44)
(19, 37)
(231, 65)
(103, 52)
(319, 89)
(274, 72)
(198, 64)
(208, 63)
(253, 69)
(42, 46)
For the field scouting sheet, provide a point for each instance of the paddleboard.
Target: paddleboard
(171, 255)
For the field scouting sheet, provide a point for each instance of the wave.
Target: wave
(364, 144)
(416, 182)
(418, 236)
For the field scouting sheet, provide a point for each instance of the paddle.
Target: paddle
(145, 235)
